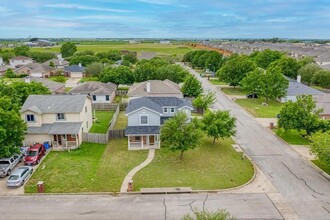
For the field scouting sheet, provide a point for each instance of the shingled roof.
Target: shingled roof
(94, 88)
(157, 88)
(295, 88)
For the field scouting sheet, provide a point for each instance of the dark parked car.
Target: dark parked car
(34, 154)
(252, 96)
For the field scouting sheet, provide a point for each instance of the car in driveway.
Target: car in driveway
(19, 176)
(8, 164)
(252, 96)
(34, 154)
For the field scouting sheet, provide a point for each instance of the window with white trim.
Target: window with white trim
(60, 116)
(172, 110)
(30, 118)
(107, 98)
(165, 110)
(144, 119)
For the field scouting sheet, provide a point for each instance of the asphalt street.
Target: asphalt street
(303, 187)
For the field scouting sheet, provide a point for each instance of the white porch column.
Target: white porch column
(142, 141)
(77, 141)
(66, 140)
(129, 143)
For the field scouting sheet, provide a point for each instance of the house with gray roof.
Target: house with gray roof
(296, 88)
(54, 87)
(145, 117)
(323, 102)
(58, 63)
(74, 71)
(155, 88)
(59, 120)
(35, 70)
(100, 92)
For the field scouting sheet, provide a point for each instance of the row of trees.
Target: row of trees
(205, 59)
(12, 127)
(312, 74)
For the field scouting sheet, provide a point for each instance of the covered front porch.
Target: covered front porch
(65, 135)
(65, 141)
(143, 137)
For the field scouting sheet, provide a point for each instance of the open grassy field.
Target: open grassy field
(259, 111)
(206, 167)
(102, 122)
(103, 46)
(91, 168)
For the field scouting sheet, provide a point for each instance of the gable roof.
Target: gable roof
(157, 88)
(50, 84)
(74, 68)
(54, 103)
(57, 62)
(35, 68)
(323, 101)
(157, 103)
(21, 58)
(295, 88)
(94, 88)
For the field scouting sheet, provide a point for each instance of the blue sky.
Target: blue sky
(165, 18)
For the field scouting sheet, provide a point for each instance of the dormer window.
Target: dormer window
(172, 110)
(30, 118)
(165, 110)
(60, 116)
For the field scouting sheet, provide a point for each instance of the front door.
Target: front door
(151, 139)
(59, 139)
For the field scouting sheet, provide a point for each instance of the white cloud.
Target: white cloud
(113, 18)
(157, 2)
(83, 7)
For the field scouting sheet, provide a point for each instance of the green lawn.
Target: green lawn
(206, 167)
(99, 46)
(117, 99)
(121, 122)
(88, 79)
(217, 82)
(291, 136)
(60, 79)
(259, 111)
(323, 166)
(91, 168)
(102, 122)
(233, 91)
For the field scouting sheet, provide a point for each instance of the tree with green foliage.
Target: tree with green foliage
(41, 57)
(68, 49)
(322, 78)
(117, 75)
(83, 60)
(320, 145)
(196, 61)
(7, 55)
(144, 71)
(51, 64)
(10, 73)
(172, 72)
(192, 87)
(305, 61)
(266, 57)
(22, 50)
(131, 58)
(178, 135)
(220, 214)
(112, 55)
(219, 124)
(288, 66)
(300, 115)
(214, 61)
(307, 72)
(60, 79)
(94, 69)
(204, 101)
(85, 52)
(235, 69)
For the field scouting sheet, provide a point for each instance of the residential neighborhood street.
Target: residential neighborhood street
(303, 187)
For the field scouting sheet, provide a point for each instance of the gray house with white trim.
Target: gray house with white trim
(145, 117)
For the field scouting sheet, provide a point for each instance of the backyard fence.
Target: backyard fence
(105, 106)
(116, 134)
(95, 138)
(114, 118)
(121, 92)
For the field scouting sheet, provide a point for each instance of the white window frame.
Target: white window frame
(147, 119)
(107, 98)
(58, 118)
(29, 116)
(165, 110)
(173, 110)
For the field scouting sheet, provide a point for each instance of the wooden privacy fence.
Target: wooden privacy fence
(116, 134)
(121, 92)
(104, 106)
(95, 138)
(114, 118)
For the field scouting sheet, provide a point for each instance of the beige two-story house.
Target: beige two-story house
(57, 119)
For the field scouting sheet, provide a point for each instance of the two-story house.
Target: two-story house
(19, 61)
(147, 114)
(57, 119)
(100, 92)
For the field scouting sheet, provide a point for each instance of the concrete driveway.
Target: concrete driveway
(4, 190)
(302, 186)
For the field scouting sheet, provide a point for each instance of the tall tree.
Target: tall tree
(300, 115)
(219, 124)
(320, 145)
(266, 57)
(117, 75)
(204, 101)
(235, 69)
(307, 72)
(10, 73)
(192, 87)
(214, 61)
(322, 78)
(83, 59)
(288, 66)
(172, 72)
(22, 50)
(178, 135)
(41, 57)
(94, 69)
(68, 49)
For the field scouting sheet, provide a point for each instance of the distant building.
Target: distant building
(323, 101)
(19, 61)
(40, 43)
(58, 63)
(164, 42)
(54, 87)
(35, 70)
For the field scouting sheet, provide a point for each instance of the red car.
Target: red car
(34, 154)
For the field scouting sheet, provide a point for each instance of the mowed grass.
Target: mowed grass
(292, 136)
(323, 166)
(206, 167)
(255, 107)
(217, 82)
(103, 119)
(121, 122)
(91, 168)
(233, 91)
(101, 46)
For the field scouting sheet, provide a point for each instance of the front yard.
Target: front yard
(103, 119)
(255, 107)
(91, 168)
(292, 137)
(217, 82)
(206, 167)
(323, 166)
(233, 91)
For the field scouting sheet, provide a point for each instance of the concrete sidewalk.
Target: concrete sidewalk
(130, 175)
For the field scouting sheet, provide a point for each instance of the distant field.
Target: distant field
(102, 46)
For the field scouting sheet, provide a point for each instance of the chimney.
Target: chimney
(27, 80)
(299, 78)
(148, 86)
(79, 64)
